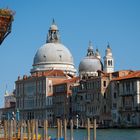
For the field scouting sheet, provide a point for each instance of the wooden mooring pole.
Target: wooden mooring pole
(14, 128)
(9, 132)
(94, 128)
(88, 129)
(24, 128)
(45, 130)
(58, 129)
(61, 129)
(36, 129)
(11, 129)
(21, 130)
(18, 129)
(5, 129)
(29, 129)
(65, 129)
(71, 129)
(33, 129)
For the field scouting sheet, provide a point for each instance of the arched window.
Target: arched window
(109, 62)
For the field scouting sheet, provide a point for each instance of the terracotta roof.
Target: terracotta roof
(72, 80)
(57, 80)
(54, 73)
(50, 73)
(135, 74)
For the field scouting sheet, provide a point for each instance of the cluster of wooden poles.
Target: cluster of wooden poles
(28, 130)
(59, 129)
(24, 130)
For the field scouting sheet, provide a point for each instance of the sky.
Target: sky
(79, 21)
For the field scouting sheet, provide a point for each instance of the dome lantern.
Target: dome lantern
(53, 34)
(90, 49)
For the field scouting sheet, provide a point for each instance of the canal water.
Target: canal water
(102, 134)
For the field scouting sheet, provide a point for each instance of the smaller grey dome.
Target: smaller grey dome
(90, 64)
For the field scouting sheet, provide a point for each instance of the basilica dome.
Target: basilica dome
(91, 64)
(53, 55)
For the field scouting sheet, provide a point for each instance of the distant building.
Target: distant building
(9, 111)
(9, 100)
(125, 92)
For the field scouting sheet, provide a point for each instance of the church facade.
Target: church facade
(52, 64)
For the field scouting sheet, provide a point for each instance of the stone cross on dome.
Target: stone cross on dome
(53, 34)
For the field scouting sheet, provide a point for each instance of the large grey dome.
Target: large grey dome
(53, 55)
(90, 65)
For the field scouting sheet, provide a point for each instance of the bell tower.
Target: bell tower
(108, 60)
